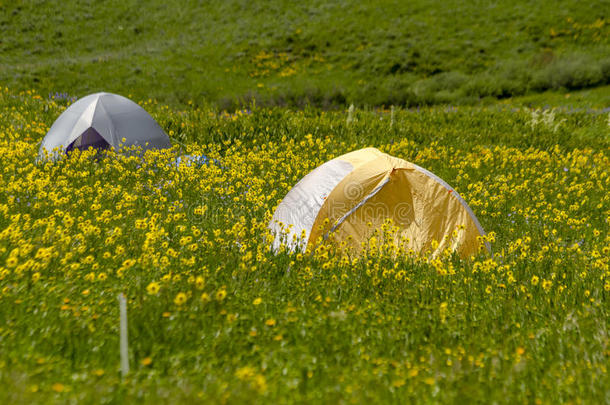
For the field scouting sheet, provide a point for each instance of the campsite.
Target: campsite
(258, 235)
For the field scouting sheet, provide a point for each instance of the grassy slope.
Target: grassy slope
(385, 52)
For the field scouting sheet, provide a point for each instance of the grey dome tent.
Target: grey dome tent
(102, 121)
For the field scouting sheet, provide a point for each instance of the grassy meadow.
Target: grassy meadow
(507, 101)
(214, 316)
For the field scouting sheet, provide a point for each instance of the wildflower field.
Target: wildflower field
(215, 316)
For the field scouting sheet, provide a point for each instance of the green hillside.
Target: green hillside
(293, 53)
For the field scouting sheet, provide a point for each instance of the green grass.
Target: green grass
(594, 99)
(376, 330)
(528, 325)
(292, 53)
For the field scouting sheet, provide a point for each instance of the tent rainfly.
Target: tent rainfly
(344, 200)
(103, 121)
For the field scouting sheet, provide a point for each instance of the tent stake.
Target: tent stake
(123, 332)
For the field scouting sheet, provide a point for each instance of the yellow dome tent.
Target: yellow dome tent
(346, 199)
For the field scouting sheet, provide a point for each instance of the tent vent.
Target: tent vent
(89, 138)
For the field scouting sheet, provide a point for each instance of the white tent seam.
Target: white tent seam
(360, 204)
